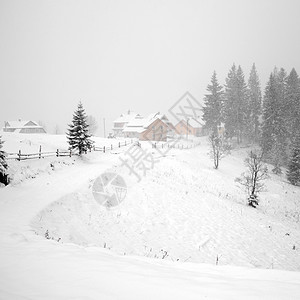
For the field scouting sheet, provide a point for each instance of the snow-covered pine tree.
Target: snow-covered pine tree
(3, 165)
(280, 147)
(242, 105)
(274, 129)
(293, 103)
(78, 133)
(235, 103)
(213, 105)
(230, 103)
(293, 172)
(267, 137)
(254, 105)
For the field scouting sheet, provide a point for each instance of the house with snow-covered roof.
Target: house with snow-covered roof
(120, 123)
(21, 126)
(155, 127)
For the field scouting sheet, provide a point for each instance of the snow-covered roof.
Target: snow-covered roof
(141, 124)
(22, 124)
(127, 117)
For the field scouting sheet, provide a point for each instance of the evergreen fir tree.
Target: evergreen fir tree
(230, 103)
(212, 110)
(3, 165)
(274, 129)
(293, 103)
(293, 173)
(78, 134)
(280, 147)
(254, 105)
(235, 104)
(267, 138)
(242, 105)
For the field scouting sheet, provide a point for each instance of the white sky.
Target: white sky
(139, 55)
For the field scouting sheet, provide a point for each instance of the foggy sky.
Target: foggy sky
(138, 55)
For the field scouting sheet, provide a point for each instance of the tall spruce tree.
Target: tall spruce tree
(254, 105)
(243, 106)
(274, 129)
(280, 147)
(235, 103)
(3, 165)
(78, 133)
(293, 172)
(267, 137)
(213, 105)
(230, 99)
(293, 103)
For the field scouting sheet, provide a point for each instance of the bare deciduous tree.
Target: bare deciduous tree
(253, 179)
(217, 148)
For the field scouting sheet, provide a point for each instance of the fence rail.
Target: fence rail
(58, 153)
(111, 147)
(175, 145)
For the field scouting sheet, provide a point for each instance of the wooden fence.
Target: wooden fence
(175, 145)
(58, 153)
(111, 147)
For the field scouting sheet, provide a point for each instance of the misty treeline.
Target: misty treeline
(270, 119)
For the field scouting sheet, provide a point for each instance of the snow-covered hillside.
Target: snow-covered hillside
(161, 242)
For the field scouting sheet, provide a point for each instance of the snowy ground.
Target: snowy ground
(161, 242)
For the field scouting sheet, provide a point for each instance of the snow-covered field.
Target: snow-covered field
(162, 242)
(29, 143)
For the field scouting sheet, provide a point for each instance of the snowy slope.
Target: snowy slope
(183, 210)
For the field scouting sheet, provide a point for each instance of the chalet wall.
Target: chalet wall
(156, 131)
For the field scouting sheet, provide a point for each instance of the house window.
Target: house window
(161, 128)
(153, 127)
(153, 136)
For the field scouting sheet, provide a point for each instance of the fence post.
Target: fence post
(111, 147)
(57, 153)
(125, 142)
(119, 145)
(103, 149)
(40, 151)
(70, 152)
(19, 155)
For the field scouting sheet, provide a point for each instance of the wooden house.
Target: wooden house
(23, 127)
